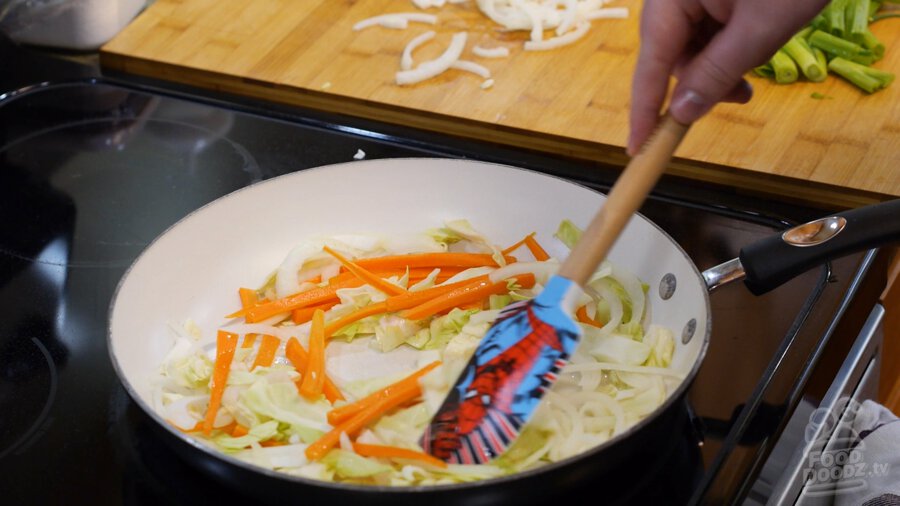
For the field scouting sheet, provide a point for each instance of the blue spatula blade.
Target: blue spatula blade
(501, 386)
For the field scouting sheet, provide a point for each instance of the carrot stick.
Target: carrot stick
(338, 415)
(535, 248)
(397, 303)
(297, 355)
(582, 316)
(396, 262)
(299, 300)
(358, 421)
(366, 276)
(347, 275)
(248, 297)
(431, 260)
(396, 452)
(413, 299)
(228, 429)
(249, 339)
(266, 353)
(313, 379)
(476, 290)
(304, 314)
(517, 245)
(226, 343)
(415, 274)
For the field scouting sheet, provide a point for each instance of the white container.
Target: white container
(81, 25)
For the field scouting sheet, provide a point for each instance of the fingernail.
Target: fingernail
(687, 106)
(748, 92)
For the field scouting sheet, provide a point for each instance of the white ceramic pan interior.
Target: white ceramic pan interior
(194, 269)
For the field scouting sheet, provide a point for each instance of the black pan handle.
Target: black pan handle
(773, 261)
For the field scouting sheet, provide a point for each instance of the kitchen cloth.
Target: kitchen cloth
(871, 477)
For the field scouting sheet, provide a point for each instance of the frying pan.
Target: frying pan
(192, 271)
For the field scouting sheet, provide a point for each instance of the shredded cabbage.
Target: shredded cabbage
(190, 370)
(257, 433)
(568, 233)
(279, 401)
(617, 376)
(347, 464)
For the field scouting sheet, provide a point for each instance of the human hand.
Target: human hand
(708, 45)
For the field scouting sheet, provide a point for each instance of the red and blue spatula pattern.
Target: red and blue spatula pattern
(504, 380)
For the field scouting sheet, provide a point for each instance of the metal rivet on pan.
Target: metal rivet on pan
(688, 331)
(667, 286)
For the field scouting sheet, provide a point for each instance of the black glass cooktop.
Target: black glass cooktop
(91, 172)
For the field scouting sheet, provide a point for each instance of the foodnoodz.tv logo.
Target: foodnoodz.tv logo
(837, 463)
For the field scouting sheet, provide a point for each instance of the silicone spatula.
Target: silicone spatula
(530, 342)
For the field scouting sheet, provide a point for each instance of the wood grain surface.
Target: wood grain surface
(840, 151)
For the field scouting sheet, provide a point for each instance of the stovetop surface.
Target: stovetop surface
(92, 171)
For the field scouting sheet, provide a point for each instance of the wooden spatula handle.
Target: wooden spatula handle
(624, 199)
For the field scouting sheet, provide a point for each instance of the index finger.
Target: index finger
(666, 28)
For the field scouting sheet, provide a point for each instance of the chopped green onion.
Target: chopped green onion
(860, 21)
(800, 52)
(784, 67)
(836, 17)
(764, 70)
(821, 58)
(839, 31)
(804, 33)
(837, 46)
(866, 78)
(820, 22)
(870, 42)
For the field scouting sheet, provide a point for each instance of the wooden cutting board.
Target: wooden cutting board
(843, 150)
